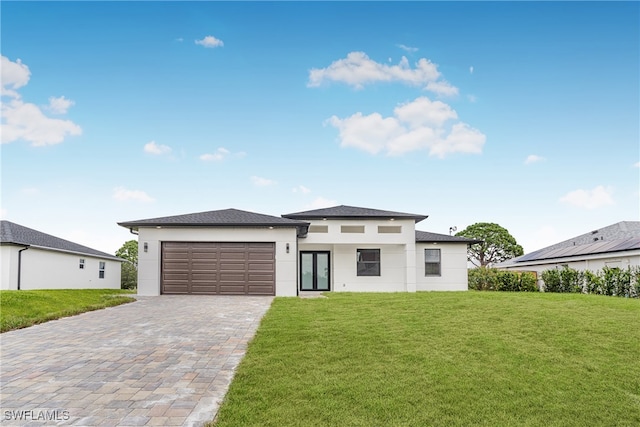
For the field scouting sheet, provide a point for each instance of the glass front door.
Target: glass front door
(314, 271)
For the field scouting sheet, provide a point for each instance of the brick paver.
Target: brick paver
(158, 361)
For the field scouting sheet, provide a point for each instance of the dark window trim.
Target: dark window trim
(102, 266)
(364, 263)
(439, 263)
(314, 285)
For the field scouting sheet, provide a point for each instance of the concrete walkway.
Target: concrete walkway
(160, 361)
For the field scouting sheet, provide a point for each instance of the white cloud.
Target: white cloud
(589, 199)
(60, 105)
(472, 98)
(636, 165)
(471, 70)
(357, 70)
(14, 75)
(179, 39)
(4, 214)
(407, 48)
(301, 189)
(30, 191)
(262, 182)
(152, 147)
(217, 156)
(122, 194)
(416, 125)
(25, 121)
(533, 158)
(321, 202)
(210, 41)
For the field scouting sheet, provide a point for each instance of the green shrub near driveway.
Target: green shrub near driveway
(20, 309)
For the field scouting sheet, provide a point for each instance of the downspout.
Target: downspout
(20, 264)
(132, 231)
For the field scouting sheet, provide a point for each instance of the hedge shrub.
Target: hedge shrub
(608, 281)
(491, 279)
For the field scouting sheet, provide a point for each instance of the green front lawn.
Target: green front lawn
(441, 359)
(19, 309)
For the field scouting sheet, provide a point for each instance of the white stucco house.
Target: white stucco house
(342, 248)
(31, 259)
(616, 245)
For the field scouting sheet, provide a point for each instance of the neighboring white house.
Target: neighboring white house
(617, 245)
(35, 260)
(342, 248)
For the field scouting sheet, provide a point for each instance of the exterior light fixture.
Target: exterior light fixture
(287, 248)
(146, 247)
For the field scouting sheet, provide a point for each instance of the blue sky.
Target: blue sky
(523, 114)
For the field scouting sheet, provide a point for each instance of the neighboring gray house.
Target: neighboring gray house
(617, 245)
(31, 259)
(342, 248)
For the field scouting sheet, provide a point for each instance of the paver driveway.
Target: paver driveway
(158, 361)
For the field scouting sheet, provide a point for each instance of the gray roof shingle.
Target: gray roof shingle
(427, 237)
(621, 236)
(12, 233)
(352, 212)
(224, 217)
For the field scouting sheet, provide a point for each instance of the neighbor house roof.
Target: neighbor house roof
(427, 237)
(353, 212)
(224, 217)
(12, 233)
(621, 236)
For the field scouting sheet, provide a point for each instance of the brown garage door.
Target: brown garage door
(214, 268)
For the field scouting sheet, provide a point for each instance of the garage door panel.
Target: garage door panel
(223, 268)
(260, 266)
(257, 256)
(260, 277)
(260, 289)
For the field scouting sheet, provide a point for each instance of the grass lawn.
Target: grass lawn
(20, 309)
(441, 359)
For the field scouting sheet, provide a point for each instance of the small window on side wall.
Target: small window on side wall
(368, 262)
(101, 270)
(81, 264)
(432, 262)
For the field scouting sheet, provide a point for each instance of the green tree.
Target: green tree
(497, 244)
(129, 272)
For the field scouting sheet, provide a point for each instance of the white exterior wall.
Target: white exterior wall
(397, 254)
(47, 269)
(453, 267)
(149, 262)
(9, 273)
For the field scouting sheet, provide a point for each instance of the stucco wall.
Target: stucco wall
(453, 268)
(149, 262)
(397, 253)
(46, 269)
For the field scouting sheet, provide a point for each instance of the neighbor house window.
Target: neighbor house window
(432, 262)
(101, 270)
(81, 263)
(368, 262)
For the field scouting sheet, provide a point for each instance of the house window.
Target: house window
(432, 262)
(318, 229)
(101, 270)
(389, 229)
(81, 263)
(352, 228)
(368, 262)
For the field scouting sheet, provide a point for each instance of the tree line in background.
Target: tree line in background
(129, 272)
